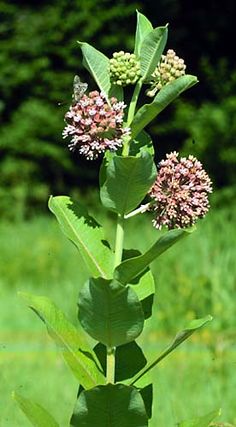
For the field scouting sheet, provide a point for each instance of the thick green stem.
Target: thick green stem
(119, 240)
(131, 113)
(110, 374)
(134, 102)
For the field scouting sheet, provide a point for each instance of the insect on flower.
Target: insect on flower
(79, 89)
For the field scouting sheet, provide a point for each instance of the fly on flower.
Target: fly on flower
(79, 89)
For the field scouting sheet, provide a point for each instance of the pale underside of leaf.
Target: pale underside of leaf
(143, 27)
(85, 233)
(130, 268)
(98, 65)
(36, 414)
(164, 97)
(180, 337)
(72, 343)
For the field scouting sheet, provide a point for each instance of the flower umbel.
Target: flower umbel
(180, 192)
(94, 125)
(169, 69)
(124, 68)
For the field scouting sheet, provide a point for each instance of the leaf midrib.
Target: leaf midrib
(73, 353)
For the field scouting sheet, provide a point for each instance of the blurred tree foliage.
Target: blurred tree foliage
(39, 57)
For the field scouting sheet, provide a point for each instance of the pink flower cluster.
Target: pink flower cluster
(180, 192)
(94, 125)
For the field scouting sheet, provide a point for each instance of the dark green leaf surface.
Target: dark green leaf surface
(110, 312)
(143, 27)
(147, 396)
(203, 421)
(151, 51)
(128, 180)
(145, 289)
(98, 66)
(164, 97)
(130, 268)
(85, 233)
(110, 406)
(193, 326)
(71, 341)
(143, 284)
(129, 360)
(141, 143)
(116, 91)
(36, 414)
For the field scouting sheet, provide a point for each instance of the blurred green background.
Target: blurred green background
(39, 57)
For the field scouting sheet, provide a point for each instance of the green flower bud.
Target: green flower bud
(124, 68)
(169, 68)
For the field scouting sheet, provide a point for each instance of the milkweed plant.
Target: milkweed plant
(114, 389)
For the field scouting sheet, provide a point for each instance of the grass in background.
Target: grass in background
(194, 278)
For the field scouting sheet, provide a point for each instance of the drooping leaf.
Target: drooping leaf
(98, 66)
(130, 268)
(143, 27)
(151, 51)
(163, 98)
(85, 233)
(36, 414)
(141, 143)
(129, 360)
(193, 326)
(128, 180)
(70, 340)
(112, 405)
(109, 312)
(203, 421)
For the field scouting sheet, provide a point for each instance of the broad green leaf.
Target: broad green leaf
(128, 180)
(151, 51)
(163, 98)
(109, 312)
(193, 326)
(203, 421)
(143, 27)
(129, 360)
(142, 142)
(85, 233)
(112, 405)
(98, 65)
(71, 341)
(116, 91)
(36, 414)
(130, 268)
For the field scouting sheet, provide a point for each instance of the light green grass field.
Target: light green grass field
(196, 277)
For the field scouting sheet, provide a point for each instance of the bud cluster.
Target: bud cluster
(169, 68)
(124, 68)
(180, 192)
(94, 125)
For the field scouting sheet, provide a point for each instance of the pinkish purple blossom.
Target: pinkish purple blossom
(95, 126)
(180, 192)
